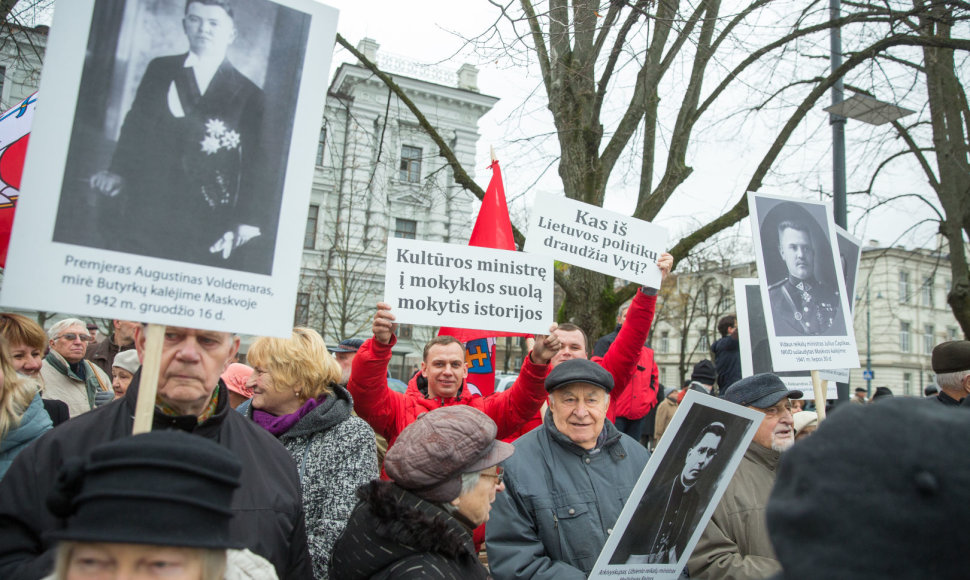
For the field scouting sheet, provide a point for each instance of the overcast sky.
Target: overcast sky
(723, 160)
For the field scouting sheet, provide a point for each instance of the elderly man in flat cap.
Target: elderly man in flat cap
(951, 363)
(735, 543)
(566, 483)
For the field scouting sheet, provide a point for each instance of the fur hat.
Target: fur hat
(165, 488)
(430, 454)
(874, 494)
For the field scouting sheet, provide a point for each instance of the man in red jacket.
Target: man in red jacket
(440, 383)
(623, 354)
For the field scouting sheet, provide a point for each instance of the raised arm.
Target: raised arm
(381, 407)
(517, 405)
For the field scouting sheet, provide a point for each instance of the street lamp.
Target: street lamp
(868, 373)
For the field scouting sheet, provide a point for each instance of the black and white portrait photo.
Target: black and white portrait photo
(803, 288)
(673, 501)
(753, 337)
(850, 249)
(182, 130)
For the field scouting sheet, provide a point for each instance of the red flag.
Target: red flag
(493, 229)
(14, 134)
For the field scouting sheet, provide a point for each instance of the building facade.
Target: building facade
(900, 313)
(379, 175)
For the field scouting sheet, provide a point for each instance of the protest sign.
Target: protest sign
(850, 251)
(596, 239)
(678, 490)
(465, 286)
(802, 287)
(154, 191)
(753, 340)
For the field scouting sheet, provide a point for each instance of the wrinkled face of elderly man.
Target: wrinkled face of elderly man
(71, 343)
(192, 361)
(777, 430)
(579, 411)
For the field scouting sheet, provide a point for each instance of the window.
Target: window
(907, 383)
(663, 376)
(407, 229)
(302, 315)
(310, 238)
(928, 340)
(410, 164)
(405, 331)
(904, 337)
(904, 287)
(664, 342)
(951, 333)
(321, 145)
(947, 286)
(702, 341)
(930, 378)
(927, 292)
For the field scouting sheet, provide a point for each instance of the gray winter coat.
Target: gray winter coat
(560, 503)
(335, 454)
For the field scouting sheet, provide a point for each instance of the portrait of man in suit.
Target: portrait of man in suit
(188, 186)
(181, 139)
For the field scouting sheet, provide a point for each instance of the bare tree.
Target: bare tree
(587, 56)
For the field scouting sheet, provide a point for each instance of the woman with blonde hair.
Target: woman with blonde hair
(22, 414)
(296, 398)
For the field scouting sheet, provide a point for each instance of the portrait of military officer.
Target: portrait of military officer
(801, 305)
(175, 151)
(669, 511)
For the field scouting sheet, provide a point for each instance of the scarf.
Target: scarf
(279, 425)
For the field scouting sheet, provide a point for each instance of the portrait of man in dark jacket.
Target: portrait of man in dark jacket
(668, 513)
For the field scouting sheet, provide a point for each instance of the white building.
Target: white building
(378, 175)
(900, 314)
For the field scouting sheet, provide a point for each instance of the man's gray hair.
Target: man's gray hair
(952, 381)
(63, 325)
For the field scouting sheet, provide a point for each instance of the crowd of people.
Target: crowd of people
(276, 468)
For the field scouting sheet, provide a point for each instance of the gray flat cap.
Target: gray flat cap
(760, 391)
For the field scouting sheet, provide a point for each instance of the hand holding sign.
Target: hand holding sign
(666, 264)
(383, 326)
(546, 346)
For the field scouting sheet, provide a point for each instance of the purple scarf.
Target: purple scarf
(279, 425)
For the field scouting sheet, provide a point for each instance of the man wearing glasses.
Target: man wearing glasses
(67, 376)
(735, 543)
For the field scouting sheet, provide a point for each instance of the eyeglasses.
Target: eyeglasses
(71, 337)
(499, 477)
(779, 409)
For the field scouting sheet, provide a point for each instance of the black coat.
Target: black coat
(395, 534)
(268, 507)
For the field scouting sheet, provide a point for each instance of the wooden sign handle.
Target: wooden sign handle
(148, 386)
(820, 388)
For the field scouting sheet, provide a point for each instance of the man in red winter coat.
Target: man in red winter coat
(624, 353)
(440, 383)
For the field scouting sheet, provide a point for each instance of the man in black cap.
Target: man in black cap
(951, 363)
(860, 396)
(703, 377)
(735, 543)
(345, 353)
(800, 304)
(566, 483)
(267, 508)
